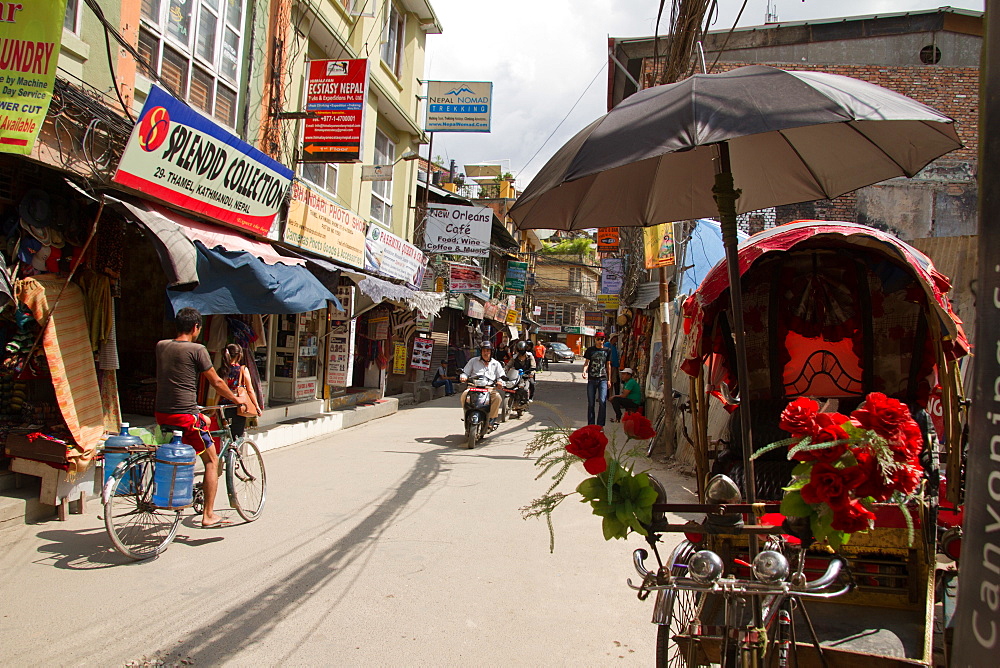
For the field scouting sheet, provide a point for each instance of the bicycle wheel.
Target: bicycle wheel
(680, 607)
(137, 528)
(246, 479)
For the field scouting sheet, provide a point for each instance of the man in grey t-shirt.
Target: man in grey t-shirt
(180, 365)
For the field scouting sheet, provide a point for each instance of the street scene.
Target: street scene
(414, 332)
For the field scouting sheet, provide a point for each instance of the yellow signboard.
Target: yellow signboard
(609, 302)
(30, 34)
(658, 244)
(399, 358)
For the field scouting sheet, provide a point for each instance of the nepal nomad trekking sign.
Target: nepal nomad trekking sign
(458, 106)
(336, 94)
(30, 37)
(177, 155)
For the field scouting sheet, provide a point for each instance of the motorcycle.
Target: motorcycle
(477, 411)
(515, 394)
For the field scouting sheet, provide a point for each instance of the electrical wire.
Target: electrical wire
(728, 35)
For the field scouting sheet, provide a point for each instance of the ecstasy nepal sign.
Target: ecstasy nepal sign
(180, 157)
(336, 96)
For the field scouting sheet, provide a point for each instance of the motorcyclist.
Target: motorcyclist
(490, 369)
(525, 362)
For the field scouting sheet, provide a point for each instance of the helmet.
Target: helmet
(522, 346)
(486, 344)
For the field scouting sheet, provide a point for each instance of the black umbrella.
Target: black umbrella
(721, 144)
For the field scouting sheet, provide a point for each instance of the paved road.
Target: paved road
(383, 545)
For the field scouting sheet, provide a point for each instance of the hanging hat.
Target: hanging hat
(36, 213)
(29, 246)
(46, 259)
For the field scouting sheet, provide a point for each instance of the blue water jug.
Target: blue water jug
(115, 452)
(174, 474)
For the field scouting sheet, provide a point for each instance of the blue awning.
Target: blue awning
(239, 282)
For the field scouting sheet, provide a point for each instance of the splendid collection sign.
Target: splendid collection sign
(389, 255)
(458, 230)
(336, 94)
(317, 223)
(30, 37)
(458, 106)
(179, 156)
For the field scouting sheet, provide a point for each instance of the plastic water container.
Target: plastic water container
(174, 474)
(115, 452)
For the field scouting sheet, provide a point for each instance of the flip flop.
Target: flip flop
(215, 525)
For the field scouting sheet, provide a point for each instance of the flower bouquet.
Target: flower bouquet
(616, 493)
(846, 464)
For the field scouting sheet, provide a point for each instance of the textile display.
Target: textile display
(107, 356)
(108, 379)
(71, 362)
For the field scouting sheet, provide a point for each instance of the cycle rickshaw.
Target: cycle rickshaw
(832, 311)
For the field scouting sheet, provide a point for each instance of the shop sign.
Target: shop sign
(398, 357)
(317, 223)
(607, 239)
(593, 318)
(513, 317)
(305, 389)
(612, 275)
(550, 329)
(658, 245)
(458, 106)
(423, 324)
(336, 93)
(378, 328)
(179, 156)
(609, 302)
(376, 172)
(475, 309)
(439, 284)
(340, 354)
(588, 331)
(392, 256)
(537, 310)
(501, 314)
(464, 278)
(458, 230)
(516, 273)
(490, 309)
(572, 330)
(31, 34)
(422, 349)
(345, 293)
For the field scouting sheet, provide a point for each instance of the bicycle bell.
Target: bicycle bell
(705, 567)
(770, 567)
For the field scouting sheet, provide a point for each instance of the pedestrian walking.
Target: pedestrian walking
(597, 372)
(612, 346)
(540, 356)
(630, 398)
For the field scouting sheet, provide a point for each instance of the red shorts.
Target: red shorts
(196, 428)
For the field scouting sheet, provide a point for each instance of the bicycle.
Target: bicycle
(141, 530)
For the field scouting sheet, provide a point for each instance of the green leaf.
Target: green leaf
(802, 469)
(647, 497)
(796, 484)
(836, 539)
(610, 527)
(793, 506)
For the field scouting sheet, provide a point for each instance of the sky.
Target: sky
(547, 60)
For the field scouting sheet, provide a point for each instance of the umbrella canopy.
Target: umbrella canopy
(792, 137)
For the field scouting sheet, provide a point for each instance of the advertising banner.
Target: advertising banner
(389, 255)
(550, 329)
(398, 357)
(464, 278)
(516, 273)
(376, 172)
(593, 318)
(340, 355)
(609, 302)
(458, 230)
(458, 106)
(490, 310)
(177, 155)
(501, 314)
(317, 223)
(345, 293)
(422, 323)
(336, 93)
(608, 239)
(658, 244)
(513, 317)
(31, 34)
(305, 389)
(422, 349)
(612, 275)
(474, 309)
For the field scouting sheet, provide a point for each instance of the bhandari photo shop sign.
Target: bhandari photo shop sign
(179, 156)
(30, 37)
(336, 95)
(391, 256)
(458, 106)
(458, 230)
(317, 223)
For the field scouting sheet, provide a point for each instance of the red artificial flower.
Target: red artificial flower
(826, 427)
(831, 485)
(852, 517)
(874, 485)
(906, 477)
(596, 465)
(637, 426)
(883, 415)
(799, 417)
(587, 442)
(909, 442)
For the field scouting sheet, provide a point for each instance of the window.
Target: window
(194, 47)
(72, 20)
(576, 279)
(385, 154)
(322, 174)
(392, 40)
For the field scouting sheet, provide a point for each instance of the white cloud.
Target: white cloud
(542, 54)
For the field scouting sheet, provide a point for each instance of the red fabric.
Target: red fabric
(195, 428)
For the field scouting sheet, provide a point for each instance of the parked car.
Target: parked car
(559, 352)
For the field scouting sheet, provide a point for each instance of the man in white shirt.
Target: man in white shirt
(491, 369)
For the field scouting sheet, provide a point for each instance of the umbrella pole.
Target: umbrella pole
(725, 197)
